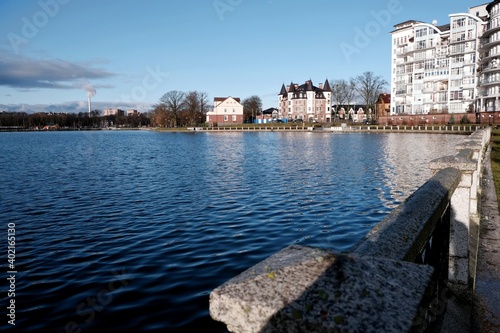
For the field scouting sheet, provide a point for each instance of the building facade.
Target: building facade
(226, 111)
(434, 69)
(113, 112)
(489, 61)
(306, 102)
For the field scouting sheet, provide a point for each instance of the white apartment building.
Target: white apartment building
(489, 61)
(434, 68)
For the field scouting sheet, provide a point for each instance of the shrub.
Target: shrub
(464, 120)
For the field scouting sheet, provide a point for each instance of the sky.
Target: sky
(128, 53)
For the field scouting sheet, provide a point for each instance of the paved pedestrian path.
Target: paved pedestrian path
(486, 301)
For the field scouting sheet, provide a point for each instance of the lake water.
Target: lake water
(131, 230)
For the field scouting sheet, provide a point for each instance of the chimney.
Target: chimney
(321, 86)
(89, 104)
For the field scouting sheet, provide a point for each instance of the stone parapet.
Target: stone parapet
(303, 289)
(404, 232)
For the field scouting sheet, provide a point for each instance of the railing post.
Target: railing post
(460, 221)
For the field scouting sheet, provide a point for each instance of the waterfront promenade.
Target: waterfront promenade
(345, 128)
(481, 314)
(486, 301)
(431, 264)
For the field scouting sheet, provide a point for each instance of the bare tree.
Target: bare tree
(203, 104)
(196, 106)
(369, 86)
(350, 92)
(343, 93)
(160, 116)
(338, 92)
(251, 107)
(174, 102)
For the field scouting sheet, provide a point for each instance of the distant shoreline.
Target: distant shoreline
(437, 129)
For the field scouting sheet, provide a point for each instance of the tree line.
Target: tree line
(365, 88)
(71, 120)
(182, 109)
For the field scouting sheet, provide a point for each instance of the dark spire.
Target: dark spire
(309, 85)
(326, 86)
(292, 87)
(283, 90)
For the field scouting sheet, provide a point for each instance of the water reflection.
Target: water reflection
(406, 158)
(184, 212)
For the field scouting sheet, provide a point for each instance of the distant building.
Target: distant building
(226, 110)
(383, 105)
(306, 102)
(355, 113)
(132, 112)
(114, 112)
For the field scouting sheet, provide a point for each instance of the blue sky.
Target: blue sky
(54, 52)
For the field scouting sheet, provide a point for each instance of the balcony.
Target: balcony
(491, 28)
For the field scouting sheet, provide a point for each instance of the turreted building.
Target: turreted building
(306, 102)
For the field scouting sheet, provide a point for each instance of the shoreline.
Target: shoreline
(437, 129)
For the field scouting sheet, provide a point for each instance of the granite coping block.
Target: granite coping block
(473, 145)
(304, 289)
(462, 161)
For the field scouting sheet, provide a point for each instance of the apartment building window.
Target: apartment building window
(234, 118)
(420, 56)
(419, 65)
(458, 48)
(421, 32)
(469, 80)
(458, 37)
(457, 71)
(457, 59)
(421, 44)
(456, 96)
(430, 64)
(226, 118)
(457, 23)
(442, 63)
(409, 78)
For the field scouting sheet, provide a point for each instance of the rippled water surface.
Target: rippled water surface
(131, 231)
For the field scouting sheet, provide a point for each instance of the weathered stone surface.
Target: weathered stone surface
(303, 289)
(462, 161)
(474, 145)
(487, 284)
